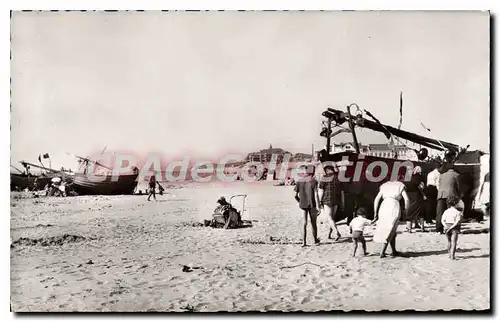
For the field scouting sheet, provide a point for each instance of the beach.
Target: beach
(123, 253)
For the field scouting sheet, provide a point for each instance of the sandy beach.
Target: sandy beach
(122, 253)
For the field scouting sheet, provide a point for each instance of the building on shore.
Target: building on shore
(266, 155)
(378, 150)
(302, 157)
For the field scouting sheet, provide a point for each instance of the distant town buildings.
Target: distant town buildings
(378, 150)
(265, 155)
(302, 157)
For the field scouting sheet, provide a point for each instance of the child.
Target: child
(451, 222)
(356, 228)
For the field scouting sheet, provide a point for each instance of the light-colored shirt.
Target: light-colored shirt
(451, 215)
(433, 178)
(359, 223)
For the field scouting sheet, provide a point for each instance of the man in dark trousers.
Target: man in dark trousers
(152, 187)
(448, 186)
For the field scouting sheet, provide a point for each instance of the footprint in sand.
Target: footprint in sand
(305, 300)
(46, 279)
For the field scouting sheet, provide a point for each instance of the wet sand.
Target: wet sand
(122, 253)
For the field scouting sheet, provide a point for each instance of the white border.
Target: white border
(177, 5)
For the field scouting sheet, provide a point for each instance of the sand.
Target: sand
(122, 253)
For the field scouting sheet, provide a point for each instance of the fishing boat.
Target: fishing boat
(363, 191)
(26, 180)
(85, 183)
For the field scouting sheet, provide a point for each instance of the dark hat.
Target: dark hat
(221, 200)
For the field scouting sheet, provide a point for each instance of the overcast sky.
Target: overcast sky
(205, 83)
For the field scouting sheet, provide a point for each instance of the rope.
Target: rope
(293, 266)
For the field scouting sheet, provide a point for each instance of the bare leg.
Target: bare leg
(393, 246)
(331, 222)
(454, 239)
(304, 232)
(448, 237)
(408, 226)
(382, 251)
(314, 227)
(363, 243)
(355, 242)
(422, 222)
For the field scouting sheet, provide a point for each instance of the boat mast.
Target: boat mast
(24, 163)
(351, 126)
(340, 117)
(328, 137)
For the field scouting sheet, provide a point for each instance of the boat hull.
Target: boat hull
(104, 184)
(20, 182)
(363, 191)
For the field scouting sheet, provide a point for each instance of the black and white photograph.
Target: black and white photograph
(250, 161)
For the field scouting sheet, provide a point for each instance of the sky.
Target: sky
(205, 83)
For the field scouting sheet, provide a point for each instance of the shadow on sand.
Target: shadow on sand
(435, 252)
(474, 256)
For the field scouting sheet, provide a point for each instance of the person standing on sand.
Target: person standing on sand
(448, 187)
(431, 191)
(388, 215)
(356, 228)
(152, 187)
(451, 220)
(331, 199)
(415, 191)
(306, 194)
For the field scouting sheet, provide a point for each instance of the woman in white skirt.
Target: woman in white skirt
(389, 214)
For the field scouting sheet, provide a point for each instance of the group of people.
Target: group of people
(439, 200)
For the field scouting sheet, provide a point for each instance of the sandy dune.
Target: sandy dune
(132, 254)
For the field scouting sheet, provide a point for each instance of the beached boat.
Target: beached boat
(103, 184)
(20, 181)
(362, 192)
(26, 180)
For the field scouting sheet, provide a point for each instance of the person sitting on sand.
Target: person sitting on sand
(232, 218)
(223, 205)
(356, 228)
(451, 220)
(306, 194)
(389, 213)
